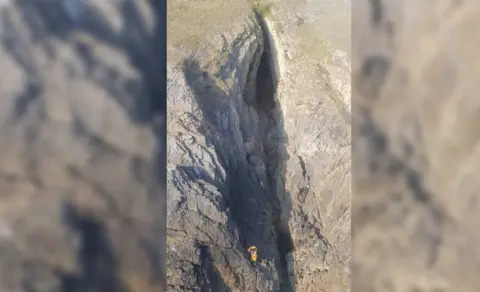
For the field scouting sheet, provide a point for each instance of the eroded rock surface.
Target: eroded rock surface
(80, 95)
(258, 146)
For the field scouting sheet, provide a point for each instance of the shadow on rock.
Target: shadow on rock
(210, 280)
(31, 28)
(259, 203)
(143, 98)
(98, 268)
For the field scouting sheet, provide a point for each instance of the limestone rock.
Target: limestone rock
(80, 205)
(271, 163)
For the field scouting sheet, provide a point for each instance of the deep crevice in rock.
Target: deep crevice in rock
(266, 95)
(257, 200)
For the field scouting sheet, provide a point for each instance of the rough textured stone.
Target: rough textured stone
(259, 145)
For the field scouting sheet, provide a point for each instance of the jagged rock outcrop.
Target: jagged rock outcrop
(258, 146)
(415, 137)
(81, 97)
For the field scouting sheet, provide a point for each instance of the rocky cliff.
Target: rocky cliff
(258, 146)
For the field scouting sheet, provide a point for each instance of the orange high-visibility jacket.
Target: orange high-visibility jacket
(253, 253)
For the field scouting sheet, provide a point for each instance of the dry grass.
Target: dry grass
(196, 26)
(263, 8)
(136, 283)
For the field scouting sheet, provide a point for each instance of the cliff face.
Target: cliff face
(258, 147)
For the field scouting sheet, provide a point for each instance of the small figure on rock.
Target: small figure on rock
(253, 254)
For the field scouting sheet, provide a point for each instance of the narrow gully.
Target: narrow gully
(268, 76)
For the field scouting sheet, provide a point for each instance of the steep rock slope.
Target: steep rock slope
(258, 147)
(78, 201)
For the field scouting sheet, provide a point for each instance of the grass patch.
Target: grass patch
(262, 8)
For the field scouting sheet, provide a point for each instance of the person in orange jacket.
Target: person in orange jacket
(253, 254)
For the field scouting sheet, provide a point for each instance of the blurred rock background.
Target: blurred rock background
(415, 140)
(81, 129)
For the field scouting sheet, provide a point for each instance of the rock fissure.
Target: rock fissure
(86, 136)
(267, 80)
(229, 158)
